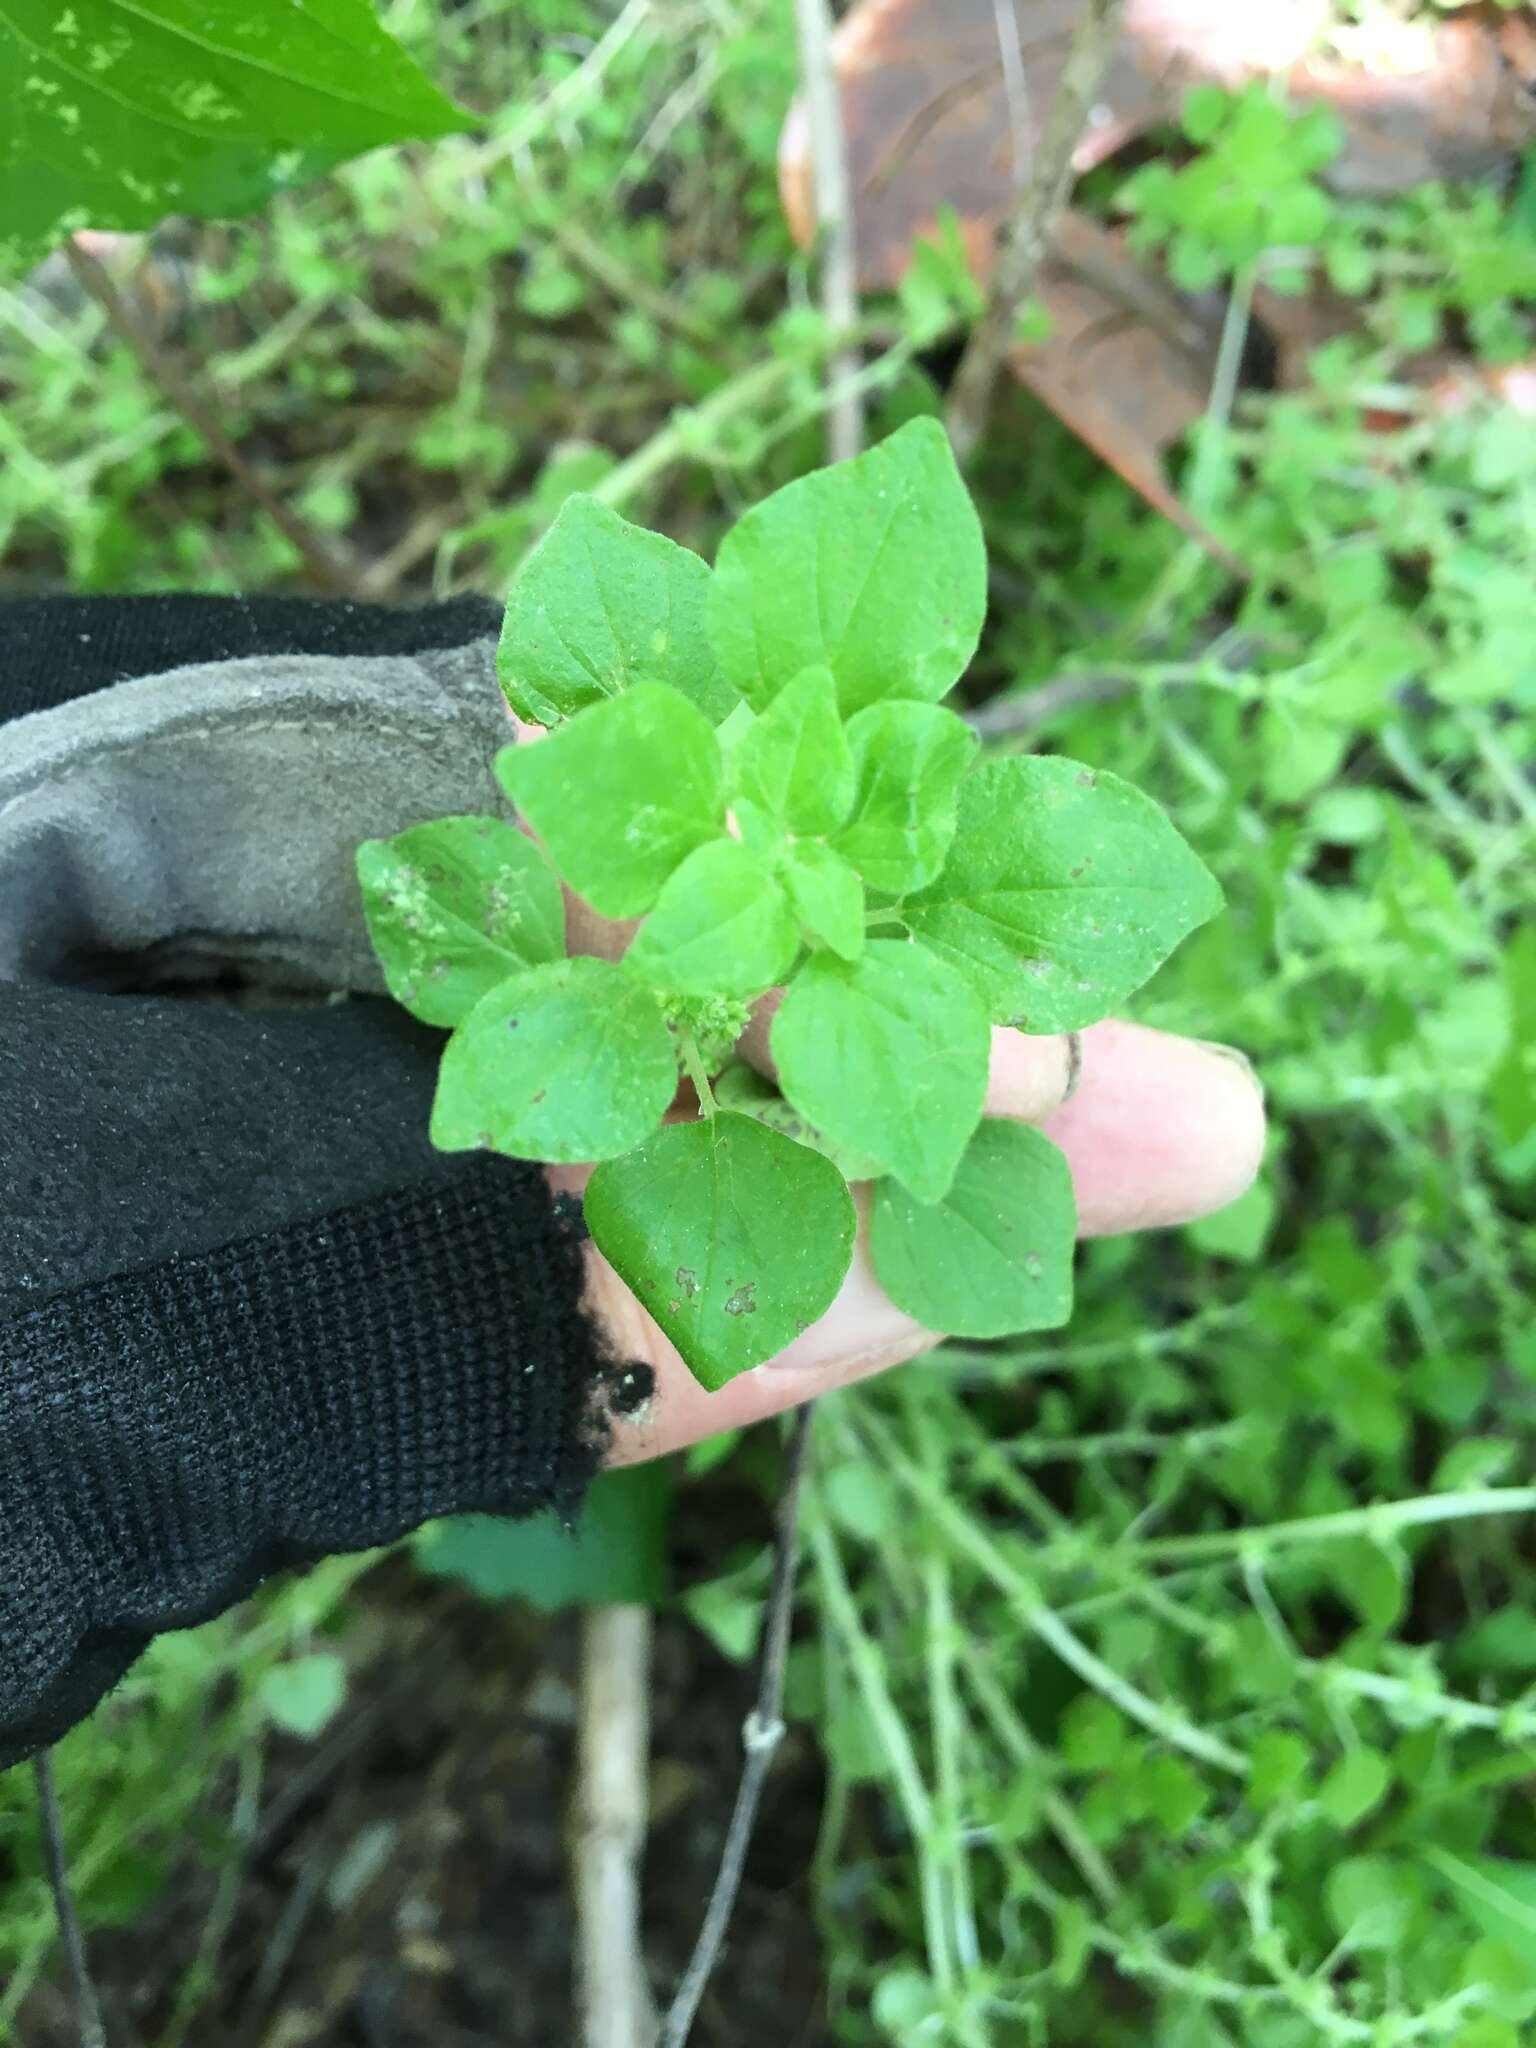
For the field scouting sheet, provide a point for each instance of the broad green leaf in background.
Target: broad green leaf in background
(995, 1256)
(1512, 1085)
(456, 906)
(1065, 888)
(908, 761)
(1241, 1230)
(599, 606)
(888, 1056)
(826, 895)
(794, 760)
(113, 116)
(722, 926)
(734, 1237)
(568, 1061)
(875, 568)
(616, 1551)
(306, 1694)
(742, 1088)
(622, 794)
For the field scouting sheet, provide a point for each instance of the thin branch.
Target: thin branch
(1029, 233)
(762, 1734)
(834, 219)
(87, 2008)
(1006, 716)
(328, 571)
(612, 1756)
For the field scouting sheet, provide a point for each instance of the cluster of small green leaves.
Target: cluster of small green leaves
(755, 764)
(1251, 187)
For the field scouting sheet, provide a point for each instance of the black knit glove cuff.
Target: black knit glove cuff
(172, 1437)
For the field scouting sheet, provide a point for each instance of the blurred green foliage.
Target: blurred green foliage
(1116, 1753)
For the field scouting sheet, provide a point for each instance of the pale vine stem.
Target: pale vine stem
(613, 1748)
(764, 1729)
(1028, 235)
(834, 219)
(87, 2009)
(327, 569)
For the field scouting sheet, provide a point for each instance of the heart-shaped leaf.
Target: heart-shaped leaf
(995, 1256)
(732, 1235)
(566, 1062)
(455, 907)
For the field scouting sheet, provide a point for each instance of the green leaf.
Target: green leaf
(742, 1088)
(1355, 1786)
(1240, 1230)
(722, 926)
(995, 1256)
(1370, 1900)
(306, 1694)
(794, 760)
(1497, 1894)
(456, 906)
(622, 794)
(617, 1549)
(565, 1062)
(1065, 888)
(888, 1056)
(826, 895)
(599, 606)
(113, 117)
(875, 568)
(734, 1237)
(909, 760)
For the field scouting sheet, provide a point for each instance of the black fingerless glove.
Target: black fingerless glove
(247, 1316)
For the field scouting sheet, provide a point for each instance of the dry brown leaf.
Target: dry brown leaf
(929, 122)
(1454, 100)
(927, 113)
(1127, 365)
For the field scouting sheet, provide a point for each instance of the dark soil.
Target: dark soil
(407, 1883)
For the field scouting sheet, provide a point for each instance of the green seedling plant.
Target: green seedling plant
(755, 764)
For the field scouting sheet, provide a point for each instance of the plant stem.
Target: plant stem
(326, 568)
(761, 1735)
(693, 1061)
(613, 1743)
(87, 2009)
(1042, 1621)
(1384, 1519)
(1029, 233)
(869, 1674)
(834, 219)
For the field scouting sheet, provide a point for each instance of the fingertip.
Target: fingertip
(1161, 1130)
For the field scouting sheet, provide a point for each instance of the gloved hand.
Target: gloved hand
(247, 1317)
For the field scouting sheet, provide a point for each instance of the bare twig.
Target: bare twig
(1009, 715)
(834, 219)
(762, 1735)
(612, 1752)
(1029, 233)
(328, 571)
(87, 2009)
